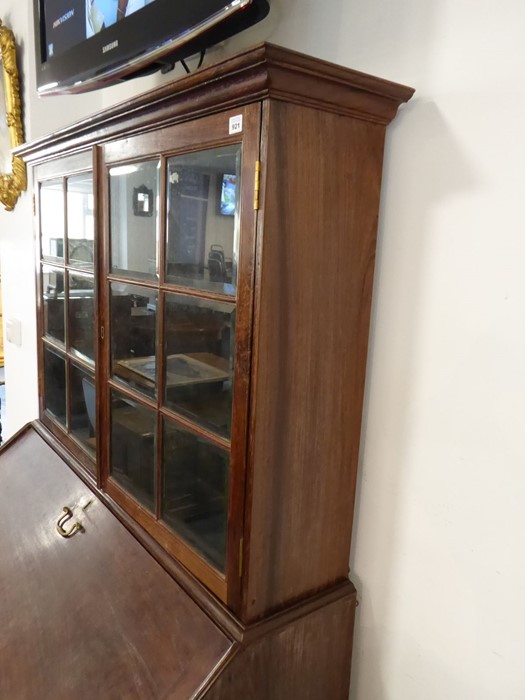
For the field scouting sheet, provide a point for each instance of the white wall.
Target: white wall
(437, 553)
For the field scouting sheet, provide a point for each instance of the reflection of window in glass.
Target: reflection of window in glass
(134, 236)
(203, 218)
(52, 219)
(80, 220)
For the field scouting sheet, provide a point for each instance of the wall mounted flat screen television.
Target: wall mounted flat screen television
(82, 45)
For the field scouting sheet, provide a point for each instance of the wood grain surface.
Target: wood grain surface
(307, 659)
(260, 72)
(316, 249)
(93, 616)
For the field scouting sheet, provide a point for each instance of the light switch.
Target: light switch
(13, 331)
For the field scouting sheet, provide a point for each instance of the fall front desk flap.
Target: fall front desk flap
(92, 614)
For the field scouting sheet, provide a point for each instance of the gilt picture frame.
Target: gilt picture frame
(13, 173)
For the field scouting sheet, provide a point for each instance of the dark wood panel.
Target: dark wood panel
(204, 133)
(254, 74)
(93, 616)
(243, 347)
(308, 659)
(79, 162)
(321, 184)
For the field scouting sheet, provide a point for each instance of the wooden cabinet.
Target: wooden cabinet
(205, 275)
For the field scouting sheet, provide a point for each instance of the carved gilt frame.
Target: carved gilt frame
(15, 182)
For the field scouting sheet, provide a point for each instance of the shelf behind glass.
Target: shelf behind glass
(134, 336)
(199, 339)
(195, 491)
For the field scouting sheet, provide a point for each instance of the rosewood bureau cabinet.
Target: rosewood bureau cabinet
(179, 518)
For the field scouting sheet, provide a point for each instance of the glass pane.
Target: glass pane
(133, 448)
(134, 336)
(203, 219)
(134, 219)
(80, 220)
(195, 492)
(81, 310)
(55, 385)
(52, 219)
(53, 300)
(83, 408)
(199, 338)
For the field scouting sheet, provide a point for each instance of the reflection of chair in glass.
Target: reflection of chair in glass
(86, 428)
(88, 389)
(219, 267)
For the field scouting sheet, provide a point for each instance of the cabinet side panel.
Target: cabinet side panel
(317, 237)
(306, 660)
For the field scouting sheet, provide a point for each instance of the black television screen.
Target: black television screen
(86, 44)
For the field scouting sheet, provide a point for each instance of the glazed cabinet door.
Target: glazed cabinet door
(66, 273)
(176, 291)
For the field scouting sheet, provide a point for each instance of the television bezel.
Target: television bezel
(86, 66)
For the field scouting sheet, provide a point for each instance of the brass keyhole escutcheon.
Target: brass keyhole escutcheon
(67, 514)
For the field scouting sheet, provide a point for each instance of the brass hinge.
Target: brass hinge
(241, 543)
(257, 184)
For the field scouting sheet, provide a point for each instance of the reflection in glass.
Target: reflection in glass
(133, 448)
(203, 219)
(195, 492)
(53, 300)
(83, 407)
(134, 219)
(52, 219)
(81, 312)
(80, 220)
(55, 385)
(134, 336)
(199, 338)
